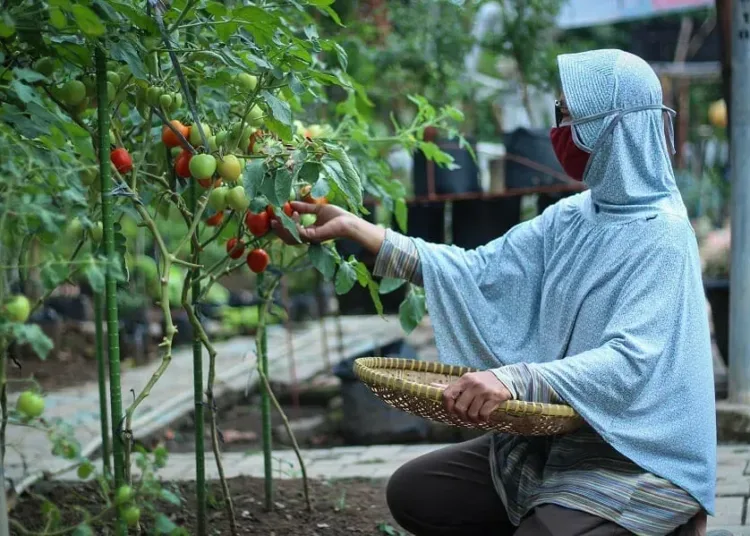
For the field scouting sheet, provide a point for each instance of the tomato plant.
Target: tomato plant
(96, 102)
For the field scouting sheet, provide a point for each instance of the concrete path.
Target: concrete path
(379, 462)
(29, 453)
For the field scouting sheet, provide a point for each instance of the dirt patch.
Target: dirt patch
(339, 507)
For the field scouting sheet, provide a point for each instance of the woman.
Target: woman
(596, 303)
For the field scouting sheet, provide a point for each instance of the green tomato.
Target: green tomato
(212, 145)
(202, 166)
(96, 232)
(255, 116)
(217, 199)
(45, 66)
(176, 102)
(221, 137)
(307, 219)
(165, 101)
(112, 138)
(85, 470)
(237, 200)
(89, 175)
(90, 84)
(230, 168)
(152, 95)
(247, 81)
(124, 494)
(195, 135)
(131, 515)
(30, 405)
(73, 93)
(17, 309)
(74, 229)
(114, 78)
(111, 92)
(292, 194)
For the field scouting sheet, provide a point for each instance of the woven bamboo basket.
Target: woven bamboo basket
(405, 384)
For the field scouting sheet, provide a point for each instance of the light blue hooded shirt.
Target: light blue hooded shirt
(602, 293)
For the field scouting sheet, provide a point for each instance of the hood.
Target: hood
(615, 101)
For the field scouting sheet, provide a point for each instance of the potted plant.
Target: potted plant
(715, 250)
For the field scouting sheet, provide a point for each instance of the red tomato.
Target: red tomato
(287, 210)
(215, 220)
(254, 137)
(235, 248)
(206, 183)
(169, 138)
(257, 260)
(182, 164)
(121, 160)
(258, 224)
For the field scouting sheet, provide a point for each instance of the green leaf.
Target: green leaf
(346, 276)
(282, 184)
(87, 20)
(57, 18)
(95, 274)
(28, 75)
(24, 92)
(309, 172)
(400, 211)
(345, 176)
(7, 26)
(332, 14)
(342, 56)
(373, 287)
(53, 274)
(282, 130)
(131, 54)
(411, 310)
(279, 108)
(290, 225)
(433, 152)
(164, 525)
(33, 335)
(170, 497)
(390, 284)
(252, 176)
(321, 3)
(323, 258)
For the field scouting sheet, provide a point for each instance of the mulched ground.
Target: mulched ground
(342, 507)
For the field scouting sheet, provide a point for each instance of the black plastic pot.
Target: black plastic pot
(457, 181)
(427, 221)
(478, 221)
(717, 292)
(530, 160)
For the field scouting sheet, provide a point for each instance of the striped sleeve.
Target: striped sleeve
(526, 384)
(398, 258)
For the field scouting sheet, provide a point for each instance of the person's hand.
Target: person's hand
(332, 222)
(475, 396)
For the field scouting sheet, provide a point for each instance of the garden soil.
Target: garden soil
(340, 507)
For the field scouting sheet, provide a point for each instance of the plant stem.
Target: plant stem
(211, 401)
(113, 329)
(295, 446)
(261, 342)
(200, 462)
(101, 370)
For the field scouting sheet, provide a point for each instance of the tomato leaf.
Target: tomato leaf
(341, 54)
(282, 130)
(309, 172)
(252, 176)
(346, 276)
(57, 18)
(401, 212)
(24, 92)
(279, 109)
(87, 20)
(95, 276)
(282, 185)
(290, 225)
(28, 75)
(53, 274)
(164, 525)
(33, 335)
(390, 284)
(323, 258)
(170, 497)
(374, 288)
(412, 310)
(131, 53)
(346, 177)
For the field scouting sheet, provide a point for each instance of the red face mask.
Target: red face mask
(572, 159)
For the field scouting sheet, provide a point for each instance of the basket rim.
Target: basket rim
(369, 371)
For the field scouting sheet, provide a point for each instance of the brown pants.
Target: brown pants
(450, 492)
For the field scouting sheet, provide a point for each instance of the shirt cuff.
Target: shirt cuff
(526, 384)
(398, 258)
